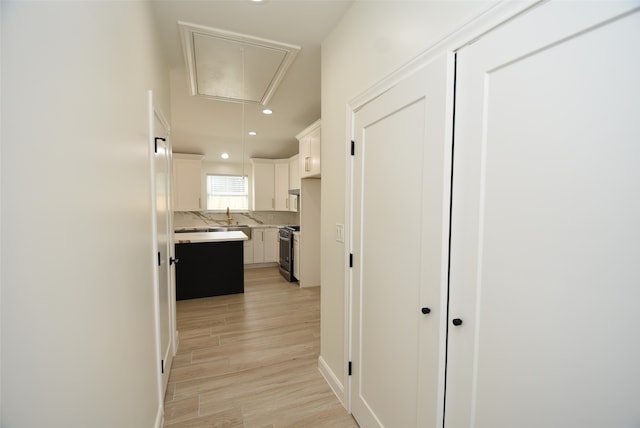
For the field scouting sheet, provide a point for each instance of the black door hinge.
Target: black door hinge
(350, 260)
(353, 148)
(350, 368)
(158, 258)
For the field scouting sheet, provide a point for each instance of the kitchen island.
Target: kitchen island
(210, 264)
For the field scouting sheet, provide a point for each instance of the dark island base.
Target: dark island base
(209, 269)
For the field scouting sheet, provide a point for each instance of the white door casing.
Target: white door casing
(163, 243)
(545, 232)
(401, 178)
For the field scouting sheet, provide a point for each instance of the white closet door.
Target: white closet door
(400, 233)
(545, 250)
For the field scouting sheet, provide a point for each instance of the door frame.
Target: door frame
(492, 17)
(156, 113)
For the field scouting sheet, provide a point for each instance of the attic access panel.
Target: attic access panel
(217, 60)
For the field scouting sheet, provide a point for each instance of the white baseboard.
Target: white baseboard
(160, 417)
(259, 265)
(332, 380)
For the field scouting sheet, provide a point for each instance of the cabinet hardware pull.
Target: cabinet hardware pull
(457, 322)
(426, 310)
(306, 164)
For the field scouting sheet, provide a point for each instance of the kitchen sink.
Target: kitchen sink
(192, 230)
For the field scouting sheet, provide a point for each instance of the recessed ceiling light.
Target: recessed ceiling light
(267, 111)
(225, 156)
(253, 133)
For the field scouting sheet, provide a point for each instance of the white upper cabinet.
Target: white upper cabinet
(187, 176)
(270, 184)
(294, 181)
(263, 184)
(281, 194)
(310, 151)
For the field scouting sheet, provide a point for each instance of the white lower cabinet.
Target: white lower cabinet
(265, 245)
(271, 253)
(258, 245)
(248, 252)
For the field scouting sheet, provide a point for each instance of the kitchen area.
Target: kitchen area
(281, 228)
(245, 140)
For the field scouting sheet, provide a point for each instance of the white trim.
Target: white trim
(159, 417)
(154, 113)
(187, 156)
(315, 125)
(154, 246)
(468, 33)
(172, 268)
(348, 204)
(447, 154)
(332, 380)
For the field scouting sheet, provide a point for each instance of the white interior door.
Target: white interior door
(401, 171)
(545, 242)
(162, 200)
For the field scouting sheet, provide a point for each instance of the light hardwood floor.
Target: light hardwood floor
(251, 360)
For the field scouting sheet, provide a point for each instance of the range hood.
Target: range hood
(294, 192)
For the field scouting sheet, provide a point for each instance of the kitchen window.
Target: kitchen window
(227, 191)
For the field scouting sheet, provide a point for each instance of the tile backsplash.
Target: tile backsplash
(252, 218)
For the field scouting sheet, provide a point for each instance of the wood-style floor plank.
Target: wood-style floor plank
(251, 360)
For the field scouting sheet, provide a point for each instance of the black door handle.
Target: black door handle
(426, 310)
(457, 322)
(172, 261)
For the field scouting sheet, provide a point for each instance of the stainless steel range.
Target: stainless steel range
(286, 251)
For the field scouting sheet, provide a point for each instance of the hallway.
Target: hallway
(250, 360)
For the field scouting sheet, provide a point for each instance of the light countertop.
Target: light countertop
(195, 237)
(186, 229)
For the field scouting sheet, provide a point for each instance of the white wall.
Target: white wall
(372, 40)
(77, 309)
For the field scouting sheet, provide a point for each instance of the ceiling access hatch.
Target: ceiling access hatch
(234, 67)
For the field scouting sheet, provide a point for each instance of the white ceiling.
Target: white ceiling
(211, 127)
